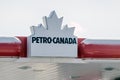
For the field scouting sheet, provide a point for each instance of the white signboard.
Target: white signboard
(52, 41)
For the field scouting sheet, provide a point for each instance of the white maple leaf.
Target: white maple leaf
(52, 24)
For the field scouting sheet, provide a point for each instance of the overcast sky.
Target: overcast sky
(92, 18)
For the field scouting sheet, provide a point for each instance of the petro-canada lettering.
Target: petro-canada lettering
(55, 40)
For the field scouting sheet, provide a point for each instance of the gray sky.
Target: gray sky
(92, 18)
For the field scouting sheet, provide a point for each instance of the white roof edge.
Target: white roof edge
(9, 40)
(101, 41)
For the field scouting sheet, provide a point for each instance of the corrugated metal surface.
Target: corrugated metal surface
(11, 69)
(43, 71)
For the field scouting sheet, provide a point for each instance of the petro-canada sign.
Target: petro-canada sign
(52, 41)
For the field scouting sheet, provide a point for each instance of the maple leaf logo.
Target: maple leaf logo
(52, 25)
(48, 39)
